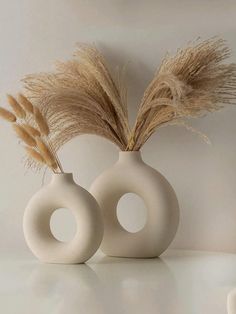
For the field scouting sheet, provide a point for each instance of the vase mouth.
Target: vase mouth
(130, 152)
(130, 155)
(62, 174)
(62, 177)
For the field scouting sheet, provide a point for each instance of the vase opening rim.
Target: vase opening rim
(130, 151)
(61, 177)
(62, 173)
(130, 156)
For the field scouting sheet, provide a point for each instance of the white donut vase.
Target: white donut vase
(131, 175)
(63, 192)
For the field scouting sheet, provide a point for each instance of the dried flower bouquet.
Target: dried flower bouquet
(32, 129)
(81, 97)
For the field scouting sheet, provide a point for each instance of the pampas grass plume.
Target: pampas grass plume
(81, 97)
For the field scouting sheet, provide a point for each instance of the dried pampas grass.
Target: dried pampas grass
(81, 97)
(187, 85)
(39, 149)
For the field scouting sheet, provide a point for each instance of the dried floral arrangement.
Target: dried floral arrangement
(32, 129)
(81, 97)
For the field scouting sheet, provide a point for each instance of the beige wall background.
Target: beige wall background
(35, 33)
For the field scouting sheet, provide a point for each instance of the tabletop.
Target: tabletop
(179, 282)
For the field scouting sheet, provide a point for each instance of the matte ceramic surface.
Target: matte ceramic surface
(63, 192)
(131, 175)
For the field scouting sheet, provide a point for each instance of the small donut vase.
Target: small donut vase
(63, 192)
(131, 175)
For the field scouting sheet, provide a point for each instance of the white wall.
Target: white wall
(34, 33)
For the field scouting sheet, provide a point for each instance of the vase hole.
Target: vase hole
(63, 225)
(131, 212)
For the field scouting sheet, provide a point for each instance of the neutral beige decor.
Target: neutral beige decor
(32, 129)
(81, 97)
(131, 175)
(63, 192)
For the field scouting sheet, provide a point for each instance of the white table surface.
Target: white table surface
(180, 282)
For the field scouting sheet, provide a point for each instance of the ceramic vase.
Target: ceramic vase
(63, 192)
(131, 175)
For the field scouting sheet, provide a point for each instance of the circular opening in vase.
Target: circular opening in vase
(131, 212)
(63, 225)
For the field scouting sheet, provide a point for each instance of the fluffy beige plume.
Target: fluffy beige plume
(18, 110)
(24, 135)
(7, 115)
(81, 97)
(187, 85)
